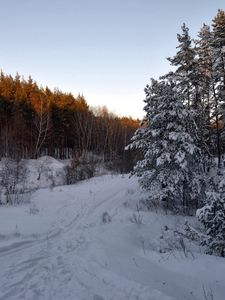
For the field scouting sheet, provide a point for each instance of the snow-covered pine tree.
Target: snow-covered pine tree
(204, 53)
(212, 216)
(204, 112)
(188, 79)
(218, 45)
(172, 162)
(186, 74)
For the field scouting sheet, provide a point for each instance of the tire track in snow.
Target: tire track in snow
(40, 271)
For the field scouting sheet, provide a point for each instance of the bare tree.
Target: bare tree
(42, 125)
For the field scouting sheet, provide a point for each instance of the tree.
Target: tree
(186, 73)
(42, 125)
(218, 54)
(218, 44)
(205, 70)
(188, 79)
(172, 163)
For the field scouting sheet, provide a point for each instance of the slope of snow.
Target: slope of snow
(58, 247)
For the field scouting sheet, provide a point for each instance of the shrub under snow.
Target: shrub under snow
(212, 216)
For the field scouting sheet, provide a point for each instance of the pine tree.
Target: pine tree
(218, 44)
(171, 165)
(188, 79)
(218, 55)
(186, 73)
(204, 52)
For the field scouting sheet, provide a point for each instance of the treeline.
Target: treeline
(37, 121)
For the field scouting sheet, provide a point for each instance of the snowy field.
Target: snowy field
(87, 241)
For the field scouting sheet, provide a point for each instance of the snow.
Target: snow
(164, 158)
(59, 246)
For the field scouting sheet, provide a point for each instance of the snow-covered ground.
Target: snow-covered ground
(58, 248)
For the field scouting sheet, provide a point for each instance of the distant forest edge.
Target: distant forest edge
(36, 121)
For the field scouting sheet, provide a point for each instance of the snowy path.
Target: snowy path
(68, 253)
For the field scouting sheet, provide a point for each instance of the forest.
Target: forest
(36, 121)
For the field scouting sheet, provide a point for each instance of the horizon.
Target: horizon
(106, 51)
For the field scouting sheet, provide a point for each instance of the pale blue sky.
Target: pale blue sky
(107, 50)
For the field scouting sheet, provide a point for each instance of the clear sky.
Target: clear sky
(105, 49)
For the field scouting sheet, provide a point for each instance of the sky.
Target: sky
(106, 50)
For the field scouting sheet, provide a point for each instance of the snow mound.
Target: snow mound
(45, 172)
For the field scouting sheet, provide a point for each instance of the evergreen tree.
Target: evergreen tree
(205, 70)
(218, 47)
(186, 74)
(171, 165)
(218, 44)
